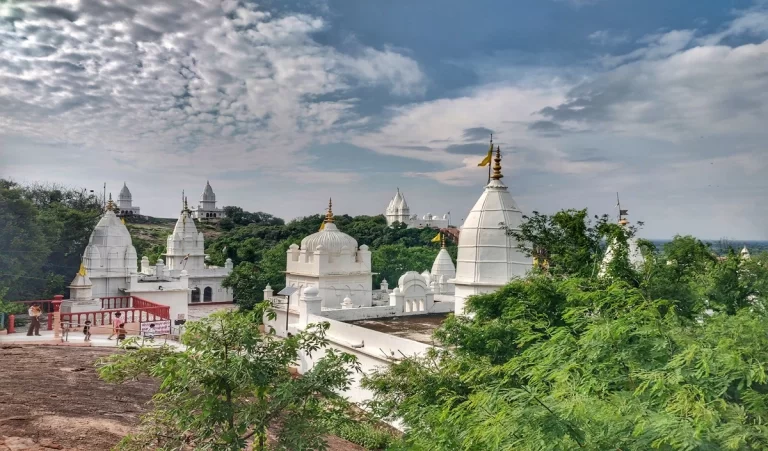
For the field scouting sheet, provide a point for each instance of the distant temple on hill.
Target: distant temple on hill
(206, 209)
(398, 212)
(125, 205)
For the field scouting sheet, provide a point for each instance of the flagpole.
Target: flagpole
(489, 163)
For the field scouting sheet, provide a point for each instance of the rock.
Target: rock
(49, 444)
(19, 443)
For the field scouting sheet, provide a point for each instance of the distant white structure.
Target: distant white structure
(185, 253)
(206, 209)
(398, 211)
(488, 257)
(443, 270)
(125, 205)
(745, 253)
(110, 258)
(331, 261)
(635, 256)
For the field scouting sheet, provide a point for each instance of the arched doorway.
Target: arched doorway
(208, 294)
(196, 294)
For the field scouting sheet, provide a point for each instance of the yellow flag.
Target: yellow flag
(436, 239)
(122, 220)
(82, 270)
(322, 226)
(487, 160)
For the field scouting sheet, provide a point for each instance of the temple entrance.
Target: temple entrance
(196, 295)
(207, 294)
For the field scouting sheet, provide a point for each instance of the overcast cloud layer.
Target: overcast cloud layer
(281, 107)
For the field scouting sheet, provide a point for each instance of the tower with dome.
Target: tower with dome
(206, 209)
(398, 212)
(331, 261)
(488, 257)
(110, 258)
(125, 205)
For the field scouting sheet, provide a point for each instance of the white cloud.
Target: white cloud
(183, 84)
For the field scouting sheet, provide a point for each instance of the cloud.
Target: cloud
(546, 128)
(475, 133)
(185, 85)
(608, 38)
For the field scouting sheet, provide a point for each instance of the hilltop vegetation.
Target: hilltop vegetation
(44, 230)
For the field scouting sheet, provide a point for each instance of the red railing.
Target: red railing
(116, 302)
(105, 317)
(132, 309)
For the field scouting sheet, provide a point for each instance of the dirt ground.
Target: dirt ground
(52, 398)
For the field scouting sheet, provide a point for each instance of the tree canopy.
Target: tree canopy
(232, 383)
(670, 355)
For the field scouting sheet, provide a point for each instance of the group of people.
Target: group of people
(118, 326)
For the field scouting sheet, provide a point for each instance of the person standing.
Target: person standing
(34, 320)
(116, 323)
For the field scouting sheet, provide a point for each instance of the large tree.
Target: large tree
(569, 360)
(231, 384)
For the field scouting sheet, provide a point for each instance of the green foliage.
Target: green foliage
(364, 434)
(231, 384)
(569, 241)
(672, 355)
(392, 261)
(43, 232)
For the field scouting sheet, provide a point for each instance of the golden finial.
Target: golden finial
(329, 213)
(497, 165)
(442, 240)
(110, 203)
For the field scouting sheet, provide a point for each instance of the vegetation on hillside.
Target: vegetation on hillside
(43, 232)
(670, 355)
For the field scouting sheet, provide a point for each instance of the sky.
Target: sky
(283, 104)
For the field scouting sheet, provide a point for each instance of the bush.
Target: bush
(365, 434)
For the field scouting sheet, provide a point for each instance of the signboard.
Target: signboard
(180, 316)
(162, 327)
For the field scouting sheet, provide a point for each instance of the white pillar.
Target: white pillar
(268, 292)
(310, 303)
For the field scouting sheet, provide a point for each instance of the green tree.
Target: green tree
(231, 384)
(569, 241)
(392, 261)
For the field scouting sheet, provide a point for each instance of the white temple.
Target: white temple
(206, 209)
(635, 256)
(488, 257)
(331, 261)
(110, 258)
(185, 251)
(125, 205)
(443, 270)
(745, 253)
(398, 211)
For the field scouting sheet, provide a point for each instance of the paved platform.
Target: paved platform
(75, 339)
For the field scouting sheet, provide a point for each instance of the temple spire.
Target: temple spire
(110, 203)
(442, 240)
(497, 165)
(329, 213)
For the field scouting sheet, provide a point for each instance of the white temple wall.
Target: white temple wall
(176, 299)
(333, 289)
(109, 286)
(218, 292)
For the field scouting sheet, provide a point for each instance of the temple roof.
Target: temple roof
(208, 195)
(330, 237)
(125, 193)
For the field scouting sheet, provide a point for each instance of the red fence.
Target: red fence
(132, 309)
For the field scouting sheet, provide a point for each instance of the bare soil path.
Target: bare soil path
(52, 398)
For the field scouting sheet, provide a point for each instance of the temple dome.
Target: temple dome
(208, 195)
(443, 265)
(125, 193)
(331, 239)
(487, 255)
